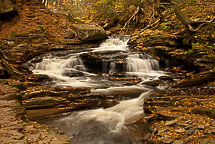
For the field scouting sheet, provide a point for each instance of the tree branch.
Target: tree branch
(133, 15)
(192, 26)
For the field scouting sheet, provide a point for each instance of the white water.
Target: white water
(104, 126)
(114, 44)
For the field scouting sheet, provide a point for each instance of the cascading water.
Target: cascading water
(74, 70)
(94, 69)
(104, 126)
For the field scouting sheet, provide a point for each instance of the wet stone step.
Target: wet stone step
(41, 102)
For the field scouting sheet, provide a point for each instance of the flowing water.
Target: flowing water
(94, 69)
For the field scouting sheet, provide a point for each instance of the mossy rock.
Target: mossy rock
(86, 32)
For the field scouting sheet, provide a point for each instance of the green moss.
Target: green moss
(42, 28)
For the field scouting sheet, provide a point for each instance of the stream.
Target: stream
(110, 69)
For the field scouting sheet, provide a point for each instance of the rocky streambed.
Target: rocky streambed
(173, 114)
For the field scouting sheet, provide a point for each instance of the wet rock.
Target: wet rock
(166, 78)
(71, 73)
(181, 130)
(86, 32)
(201, 127)
(69, 35)
(41, 112)
(43, 93)
(178, 142)
(39, 78)
(171, 123)
(166, 140)
(187, 126)
(71, 42)
(100, 62)
(152, 83)
(190, 131)
(161, 131)
(166, 116)
(43, 102)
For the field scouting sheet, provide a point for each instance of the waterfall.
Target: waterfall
(58, 63)
(110, 70)
(141, 65)
(115, 56)
(114, 44)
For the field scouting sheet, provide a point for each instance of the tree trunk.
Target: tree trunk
(185, 38)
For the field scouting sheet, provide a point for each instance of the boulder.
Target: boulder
(7, 9)
(86, 32)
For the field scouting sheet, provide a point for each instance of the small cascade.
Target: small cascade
(105, 126)
(114, 44)
(59, 63)
(112, 68)
(105, 66)
(111, 57)
(141, 63)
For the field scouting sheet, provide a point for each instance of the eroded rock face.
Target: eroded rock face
(86, 32)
